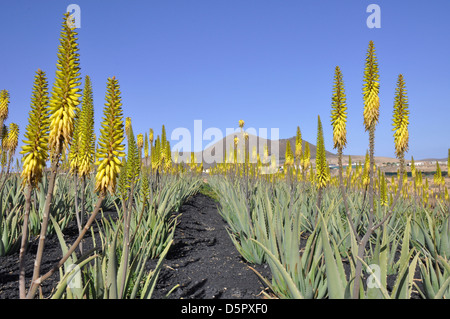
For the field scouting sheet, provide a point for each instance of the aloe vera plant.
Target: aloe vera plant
(436, 278)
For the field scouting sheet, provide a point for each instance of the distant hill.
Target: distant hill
(218, 149)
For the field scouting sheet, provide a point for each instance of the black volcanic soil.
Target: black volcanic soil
(202, 261)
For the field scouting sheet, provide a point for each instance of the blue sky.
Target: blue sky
(270, 63)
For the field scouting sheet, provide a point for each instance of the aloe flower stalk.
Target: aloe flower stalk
(4, 107)
(84, 140)
(66, 92)
(414, 173)
(11, 142)
(146, 149)
(140, 144)
(150, 136)
(127, 125)
(35, 148)
(438, 178)
(86, 134)
(339, 119)
(146, 146)
(322, 177)
(9, 145)
(168, 157)
(298, 147)
(156, 154)
(63, 106)
(289, 156)
(383, 191)
(371, 106)
(132, 173)
(371, 116)
(400, 123)
(109, 150)
(35, 153)
(339, 123)
(74, 147)
(150, 140)
(110, 142)
(321, 161)
(305, 160)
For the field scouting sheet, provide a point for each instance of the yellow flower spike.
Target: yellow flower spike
(298, 145)
(338, 112)
(371, 89)
(86, 136)
(401, 119)
(65, 94)
(127, 125)
(322, 176)
(111, 138)
(35, 145)
(13, 138)
(4, 107)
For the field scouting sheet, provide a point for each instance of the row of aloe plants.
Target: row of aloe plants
(117, 266)
(312, 252)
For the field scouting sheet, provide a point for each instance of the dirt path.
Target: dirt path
(204, 261)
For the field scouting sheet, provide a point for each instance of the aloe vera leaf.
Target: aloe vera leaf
(153, 276)
(401, 287)
(443, 289)
(404, 254)
(444, 243)
(336, 288)
(292, 287)
(63, 283)
(111, 271)
(383, 258)
(428, 286)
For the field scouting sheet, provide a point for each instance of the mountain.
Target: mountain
(216, 152)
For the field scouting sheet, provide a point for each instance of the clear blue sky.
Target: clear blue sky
(268, 62)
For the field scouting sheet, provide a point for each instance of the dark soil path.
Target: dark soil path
(202, 261)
